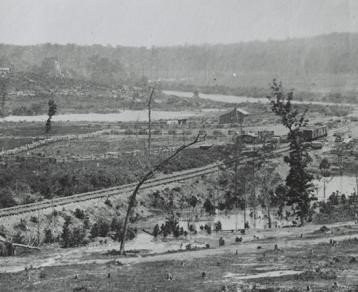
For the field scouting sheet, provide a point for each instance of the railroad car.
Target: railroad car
(265, 135)
(269, 146)
(249, 153)
(314, 133)
(316, 145)
(249, 138)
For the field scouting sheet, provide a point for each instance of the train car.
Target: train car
(265, 135)
(314, 133)
(316, 145)
(249, 138)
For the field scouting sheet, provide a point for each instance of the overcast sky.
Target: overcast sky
(170, 22)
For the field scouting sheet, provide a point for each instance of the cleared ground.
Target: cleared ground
(298, 263)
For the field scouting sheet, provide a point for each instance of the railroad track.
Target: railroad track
(118, 190)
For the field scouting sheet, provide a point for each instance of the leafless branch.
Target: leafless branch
(147, 176)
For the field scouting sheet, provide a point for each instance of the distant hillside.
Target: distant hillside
(323, 63)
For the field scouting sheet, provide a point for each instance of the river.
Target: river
(123, 116)
(344, 184)
(142, 115)
(243, 99)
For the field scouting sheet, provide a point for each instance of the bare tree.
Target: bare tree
(148, 175)
(268, 180)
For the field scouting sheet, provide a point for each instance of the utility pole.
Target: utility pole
(254, 184)
(245, 204)
(238, 146)
(253, 190)
(38, 227)
(236, 177)
(150, 121)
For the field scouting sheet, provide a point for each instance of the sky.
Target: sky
(171, 22)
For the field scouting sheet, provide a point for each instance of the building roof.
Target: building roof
(314, 127)
(241, 111)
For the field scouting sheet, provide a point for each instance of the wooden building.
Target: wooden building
(234, 116)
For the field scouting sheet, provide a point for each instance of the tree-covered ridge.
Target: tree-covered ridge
(316, 57)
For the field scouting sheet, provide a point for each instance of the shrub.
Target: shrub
(116, 225)
(18, 238)
(100, 228)
(333, 199)
(86, 223)
(34, 219)
(78, 236)
(209, 207)
(108, 203)
(156, 230)
(22, 225)
(6, 199)
(207, 228)
(218, 226)
(66, 233)
(72, 237)
(48, 236)
(80, 214)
